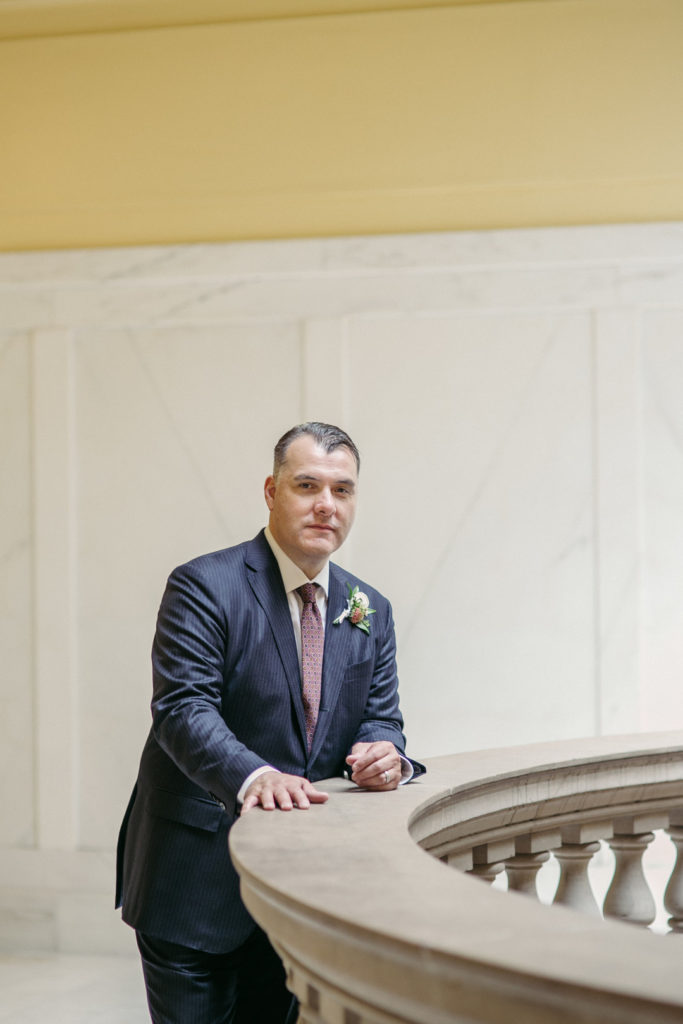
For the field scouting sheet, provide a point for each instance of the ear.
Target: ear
(269, 491)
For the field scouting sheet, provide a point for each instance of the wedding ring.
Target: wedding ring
(386, 778)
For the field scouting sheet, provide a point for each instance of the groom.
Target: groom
(270, 673)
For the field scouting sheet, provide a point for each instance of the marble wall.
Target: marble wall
(516, 397)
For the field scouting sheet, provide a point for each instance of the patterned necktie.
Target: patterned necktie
(312, 639)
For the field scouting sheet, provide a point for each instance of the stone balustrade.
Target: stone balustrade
(360, 897)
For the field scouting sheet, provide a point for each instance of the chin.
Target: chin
(326, 544)
(323, 545)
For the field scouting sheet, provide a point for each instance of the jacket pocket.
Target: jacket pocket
(360, 670)
(354, 690)
(186, 810)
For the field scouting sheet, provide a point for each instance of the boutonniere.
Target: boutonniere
(357, 610)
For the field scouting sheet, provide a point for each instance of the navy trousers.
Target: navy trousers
(188, 986)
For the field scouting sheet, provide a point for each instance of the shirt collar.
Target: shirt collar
(292, 575)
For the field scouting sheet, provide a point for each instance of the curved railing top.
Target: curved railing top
(368, 921)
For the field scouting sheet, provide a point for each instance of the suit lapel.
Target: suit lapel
(266, 582)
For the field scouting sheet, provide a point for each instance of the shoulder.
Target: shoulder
(219, 568)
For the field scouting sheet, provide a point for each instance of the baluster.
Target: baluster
(673, 896)
(488, 858)
(488, 872)
(579, 844)
(309, 1007)
(522, 870)
(628, 897)
(531, 853)
(574, 888)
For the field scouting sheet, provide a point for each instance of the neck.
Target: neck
(308, 566)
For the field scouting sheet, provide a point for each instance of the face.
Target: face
(312, 503)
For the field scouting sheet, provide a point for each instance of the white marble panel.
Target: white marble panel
(45, 919)
(86, 920)
(516, 398)
(477, 491)
(16, 594)
(45, 896)
(325, 371)
(27, 308)
(175, 437)
(28, 919)
(661, 688)
(55, 712)
(617, 497)
(59, 870)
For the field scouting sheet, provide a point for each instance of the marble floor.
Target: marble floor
(71, 989)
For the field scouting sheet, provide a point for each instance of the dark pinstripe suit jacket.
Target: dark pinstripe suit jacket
(227, 699)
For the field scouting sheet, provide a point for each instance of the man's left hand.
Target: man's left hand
(375, 765)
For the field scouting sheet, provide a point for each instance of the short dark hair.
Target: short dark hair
(326, 435)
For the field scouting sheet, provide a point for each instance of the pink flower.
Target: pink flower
(357, 610)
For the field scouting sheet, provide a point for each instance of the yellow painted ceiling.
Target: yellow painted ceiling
(433, 117)
(26, 18)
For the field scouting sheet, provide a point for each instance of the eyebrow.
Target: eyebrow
(316, 479)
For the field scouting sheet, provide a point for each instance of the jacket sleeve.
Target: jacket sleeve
(188, 658)
(382, 719)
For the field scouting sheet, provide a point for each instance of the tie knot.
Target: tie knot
(307, 592)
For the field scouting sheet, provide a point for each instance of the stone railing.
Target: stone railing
(372, 929)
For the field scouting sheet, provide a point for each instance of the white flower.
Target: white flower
(357, 610)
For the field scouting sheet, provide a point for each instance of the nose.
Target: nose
(325, 503)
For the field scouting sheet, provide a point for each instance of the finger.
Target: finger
(307, 794)
(383, 774)
(249, 802)
(376, 781)
(260, 797)
(380, 763)
(378, 785)
(318, 796)
(267, 799)
(366, 753)
(363, 758)
(283, 798)
(301, 800)
(372, 753)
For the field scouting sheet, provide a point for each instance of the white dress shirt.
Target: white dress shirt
(294, 577)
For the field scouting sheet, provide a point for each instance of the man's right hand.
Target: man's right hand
(277, 789)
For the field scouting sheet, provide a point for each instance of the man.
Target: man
(262, 685)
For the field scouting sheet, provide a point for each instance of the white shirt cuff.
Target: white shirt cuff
(407, 770)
